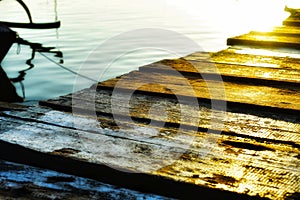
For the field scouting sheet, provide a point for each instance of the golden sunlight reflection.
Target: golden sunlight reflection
(266, 52)
(267, 74)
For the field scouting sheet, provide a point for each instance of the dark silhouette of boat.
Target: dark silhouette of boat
(7, 38)
(7, 90)
(31, 24)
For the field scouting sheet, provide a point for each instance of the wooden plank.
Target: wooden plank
(250, 58)
(229, 72)
(291, 22)
(25, 182)
(284, 130)
(10, 106)
(234, 164)
(286, 29)
(287, 100)
(264, 41)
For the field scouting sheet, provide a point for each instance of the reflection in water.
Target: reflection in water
(36, 47)
(8, 91)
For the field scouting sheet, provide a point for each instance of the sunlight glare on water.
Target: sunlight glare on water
(263, 14)
(292, 3)
(240, 14)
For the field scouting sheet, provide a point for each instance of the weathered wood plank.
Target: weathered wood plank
(246, 57)
(25, 182)
(284, 130)
(264, 41)
(285, 29)
(10, 106)
(232, 165)
(291, 22)
(230, 72)
(268, 97)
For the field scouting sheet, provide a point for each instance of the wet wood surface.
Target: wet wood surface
(292, 22)
(259, 40)
(285, 99)
(267, 73)
(219, 125)
(285, 29)
(18, 181)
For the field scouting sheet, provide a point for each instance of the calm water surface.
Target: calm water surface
(87, 24)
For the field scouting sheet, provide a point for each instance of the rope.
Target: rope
(67, 69)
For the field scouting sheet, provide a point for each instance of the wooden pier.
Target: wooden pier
(221, 125)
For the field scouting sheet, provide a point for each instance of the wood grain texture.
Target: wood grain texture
(283, 98)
